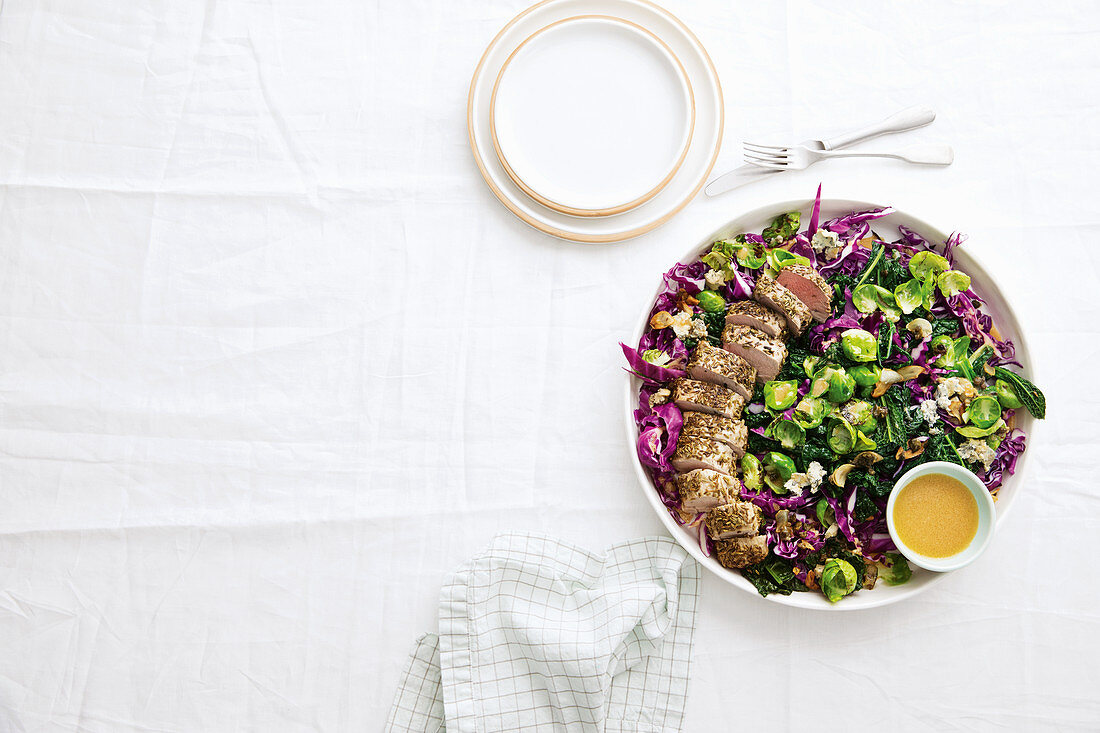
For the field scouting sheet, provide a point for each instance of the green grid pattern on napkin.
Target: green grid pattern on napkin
(536, 634)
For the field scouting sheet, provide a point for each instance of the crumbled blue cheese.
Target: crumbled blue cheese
(715, 279)
(686, 325)
(952, 386)
(824, 240)
(659, 397)
(816, 474)
(796, 483)
(929, 411)
(977, 451)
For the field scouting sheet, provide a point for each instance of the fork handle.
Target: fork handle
(926, 154)
(907, 119)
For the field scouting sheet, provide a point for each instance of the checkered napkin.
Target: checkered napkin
(535, 634)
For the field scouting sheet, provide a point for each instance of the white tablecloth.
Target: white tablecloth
(274, 361)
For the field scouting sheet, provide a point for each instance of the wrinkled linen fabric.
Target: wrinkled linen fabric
(274, 361)
(536, 634)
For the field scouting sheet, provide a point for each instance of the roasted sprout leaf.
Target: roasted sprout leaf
(1031, 396)
(783, 227)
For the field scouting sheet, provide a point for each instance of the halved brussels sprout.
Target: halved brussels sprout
(711, 302)
(780, 258)
(1006, 394)
(984, 410)
(926, 265)
(783, 227)
(748, 254)
(865, 376)
(751, 255)
(859, 345)
(656, 356)
(953, 282)
(894, 569)
(834, 383)
(752, 472)
(825, 513)
(955, 354)
(909, 295)
(810, 412)
(789, 433)
(867, 297)
(976, 432)
(838, 579)
(941, 344)
(859, 414)
(778, 468)
(841, 437)
(779, 396)
(809, 364)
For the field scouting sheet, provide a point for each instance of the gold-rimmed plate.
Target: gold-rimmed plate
(687, 180)
(592, 115)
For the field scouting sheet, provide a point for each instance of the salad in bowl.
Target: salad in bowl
(785, 378)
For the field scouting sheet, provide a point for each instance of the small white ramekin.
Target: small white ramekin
(987, 517)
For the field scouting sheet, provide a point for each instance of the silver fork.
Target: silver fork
(799, 156)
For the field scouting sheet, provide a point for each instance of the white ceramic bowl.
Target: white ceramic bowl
(987, 517)
(996, 305)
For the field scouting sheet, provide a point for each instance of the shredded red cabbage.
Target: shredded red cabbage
(646, 371)
(659, 424)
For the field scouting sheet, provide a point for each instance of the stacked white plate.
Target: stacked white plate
(595, 120)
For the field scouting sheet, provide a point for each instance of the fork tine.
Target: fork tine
(754, 158)
(764, 148)
(762, 163)
(780, 153)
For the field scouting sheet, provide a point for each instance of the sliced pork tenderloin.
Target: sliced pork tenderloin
(692, 453)
(764, 352)
(736, 519)
(762, 318)
(731, 432)
(718, 366)
(740, 552)
(809, 287)
(770, 293)
(691, 394)
(702, 490)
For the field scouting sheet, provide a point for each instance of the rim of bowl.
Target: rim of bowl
(1007, 316)
(986, 529)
